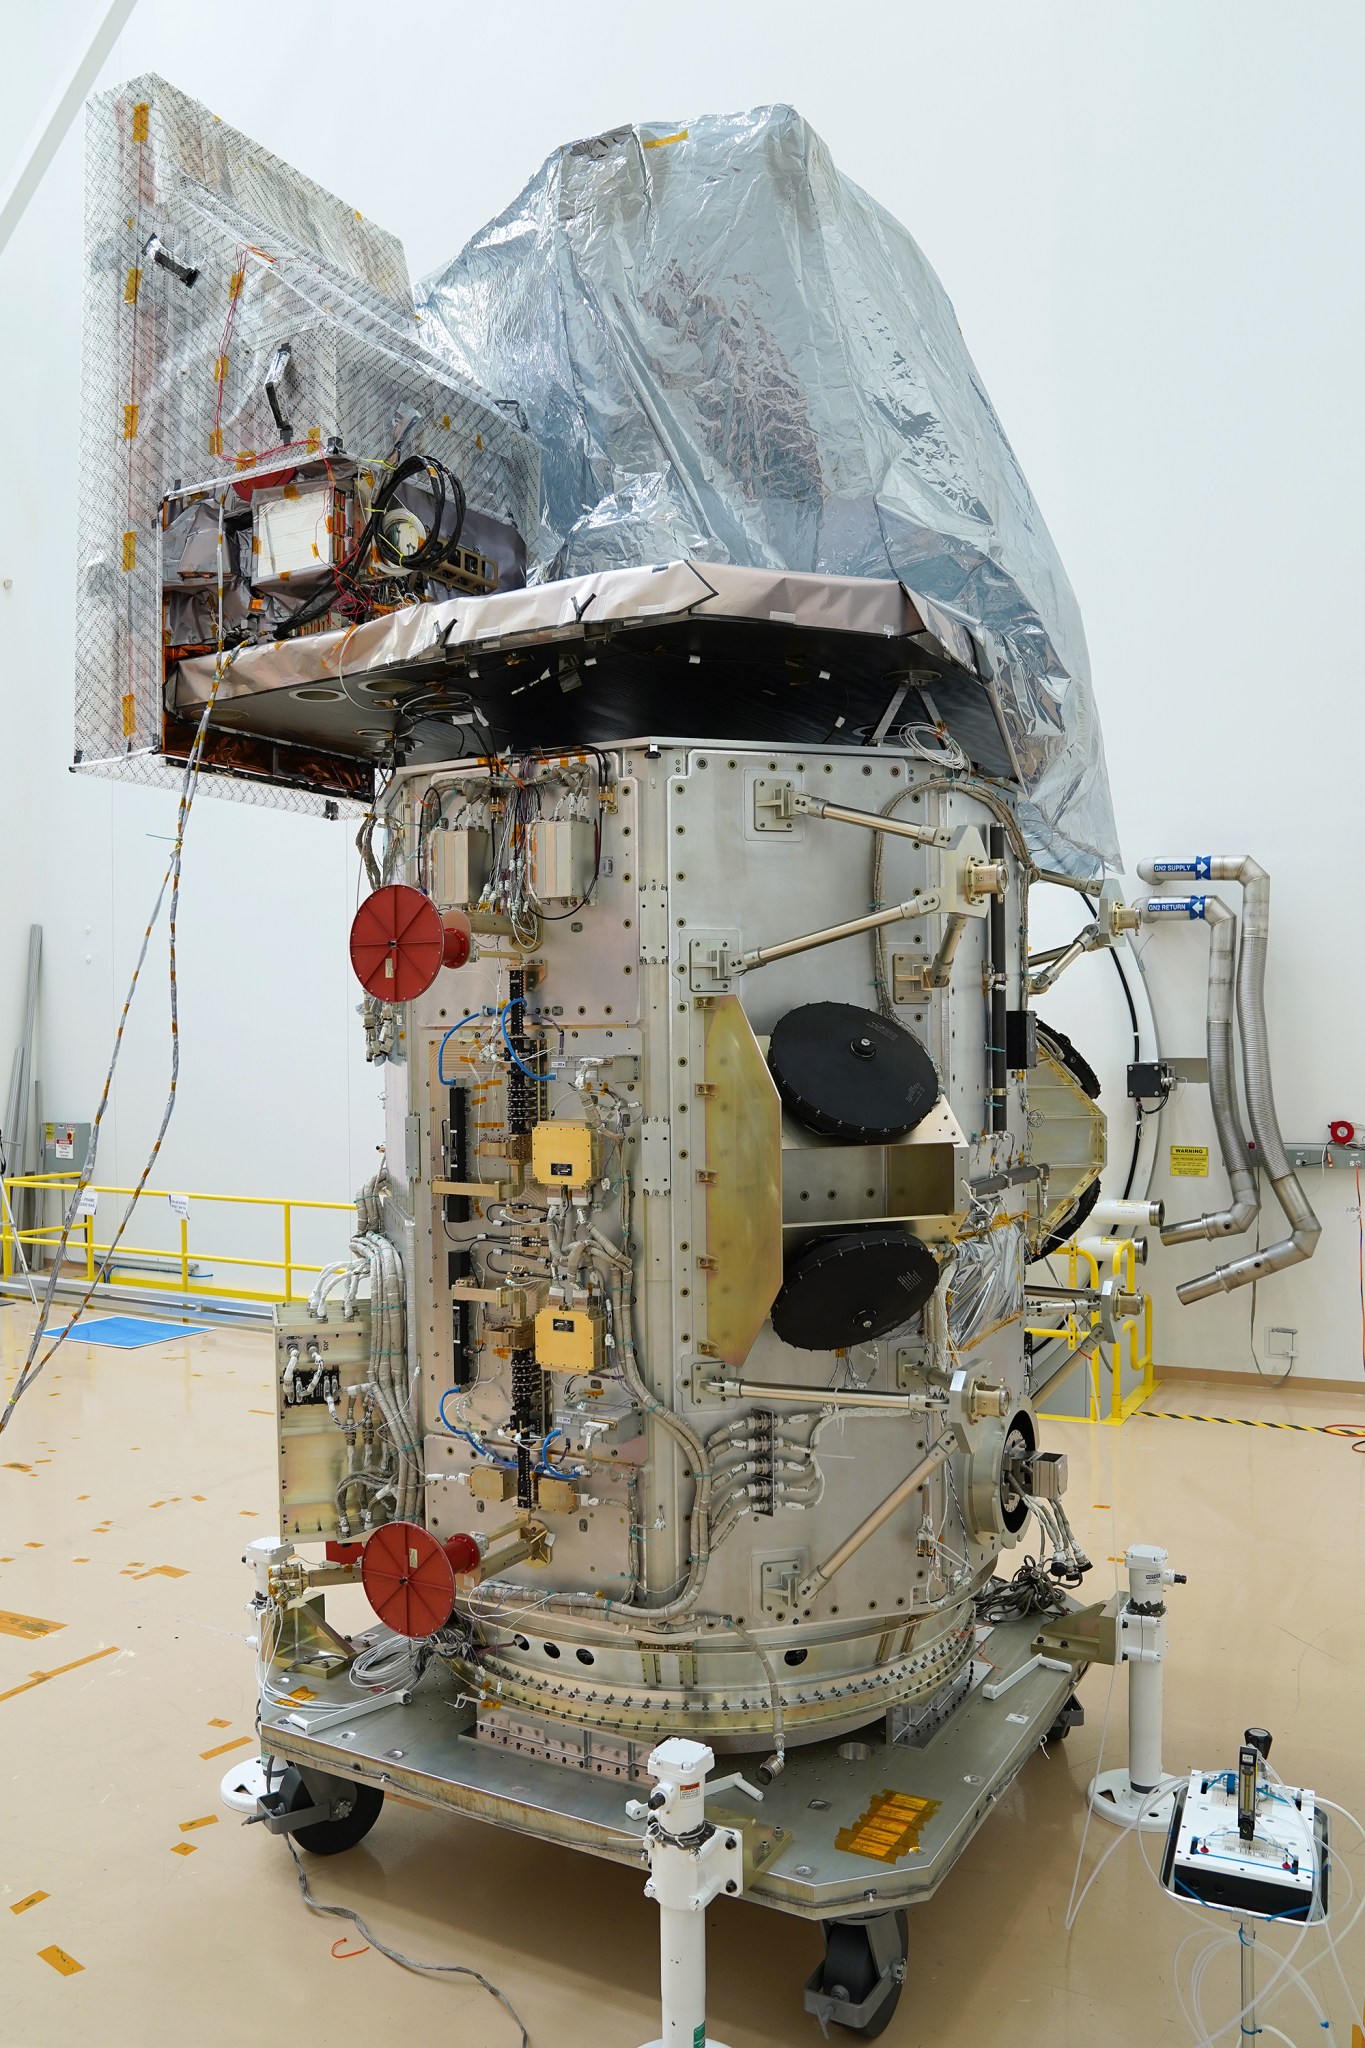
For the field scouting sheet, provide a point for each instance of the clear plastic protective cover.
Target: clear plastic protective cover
(213, 272)
(728, 352)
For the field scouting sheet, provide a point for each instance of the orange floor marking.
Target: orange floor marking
(237, 1742)
(30, 1626)
(183, 1849)
(163, 1571)
(62, 1963)
(220, 1724)
(41, 1677)
(205, 1820)
(33, 1899)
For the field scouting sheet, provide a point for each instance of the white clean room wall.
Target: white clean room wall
(1147, 219)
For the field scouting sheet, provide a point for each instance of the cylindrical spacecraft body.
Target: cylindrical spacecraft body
(707, 1254)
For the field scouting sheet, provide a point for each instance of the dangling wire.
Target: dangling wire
(33, 1365)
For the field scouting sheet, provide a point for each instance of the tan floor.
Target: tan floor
(128, 1484)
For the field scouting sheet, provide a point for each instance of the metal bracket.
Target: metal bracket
(274, 1816)
(656, 1156)
(654, 926)
(1088, 1635)
(773, 807)
(311, 1720)
(710, 959)
(908, 984)
(1035, 1663)
(911, 1359)
(777, 1581)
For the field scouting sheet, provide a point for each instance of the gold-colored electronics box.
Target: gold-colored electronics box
(568, 1340)
(563, 1155)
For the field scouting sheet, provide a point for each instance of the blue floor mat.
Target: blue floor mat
(123, 1333)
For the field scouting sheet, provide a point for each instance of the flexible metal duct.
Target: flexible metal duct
(1245, 1205)
(1304, 1228)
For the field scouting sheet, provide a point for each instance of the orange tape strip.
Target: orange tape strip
(61, 1962)
(41, 1677)
(30, 1626)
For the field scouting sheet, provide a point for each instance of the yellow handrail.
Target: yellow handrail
(40, 1235)
(1078, 1329)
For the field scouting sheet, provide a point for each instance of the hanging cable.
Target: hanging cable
(33, 1365)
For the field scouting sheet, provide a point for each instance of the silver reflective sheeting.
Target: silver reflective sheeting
(987, 1284)
(730, 353)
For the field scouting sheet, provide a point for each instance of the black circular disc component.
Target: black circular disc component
(851, 1287)
(1060, 1046)
(845, 1072)
(1021, 1441)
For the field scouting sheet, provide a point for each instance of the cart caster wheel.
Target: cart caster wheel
(360, 1806)
(1072, 1715)
(859, 1984)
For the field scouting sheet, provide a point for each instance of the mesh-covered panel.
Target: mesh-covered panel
(176, 354)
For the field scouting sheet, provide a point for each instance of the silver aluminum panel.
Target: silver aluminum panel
(424, 1752)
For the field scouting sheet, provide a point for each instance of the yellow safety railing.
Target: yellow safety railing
(1083, 1328)
(84, 1241)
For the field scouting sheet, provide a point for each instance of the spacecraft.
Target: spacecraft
(656, 593)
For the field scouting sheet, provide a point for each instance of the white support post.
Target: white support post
(1130, 1797)
(690, 1862)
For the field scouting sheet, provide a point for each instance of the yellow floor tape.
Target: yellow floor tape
(1248, 1422)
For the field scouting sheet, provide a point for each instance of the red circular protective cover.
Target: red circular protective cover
(1341, 1132)
(409, 1577)
(463, 1553)
(398, 943)
(459, 939)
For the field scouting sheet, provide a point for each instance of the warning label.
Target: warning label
(1190, 1162)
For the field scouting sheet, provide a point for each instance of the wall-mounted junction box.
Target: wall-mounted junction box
(563, 1155)
(568, 1340)
(563, 856)
(460, 859)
